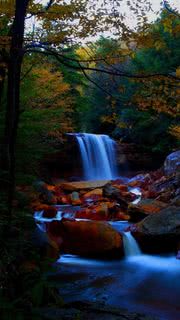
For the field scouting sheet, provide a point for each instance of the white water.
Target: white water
(131, 247)
(98, 156)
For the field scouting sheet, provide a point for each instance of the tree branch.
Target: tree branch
(168, 8)
(67, 62)
(27, 72)
(96, 84)
(49, 4)
(47, 7)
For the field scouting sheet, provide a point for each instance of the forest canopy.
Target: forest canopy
(59, 74)
(85, 66)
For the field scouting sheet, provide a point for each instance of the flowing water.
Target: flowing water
(139, 282)
(98, 156)
(131, 247)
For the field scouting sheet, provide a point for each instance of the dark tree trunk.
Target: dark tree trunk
(2, 76)
(13, 97)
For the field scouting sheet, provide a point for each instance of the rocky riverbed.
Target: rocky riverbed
(81, 223)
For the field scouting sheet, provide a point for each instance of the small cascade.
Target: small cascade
(131, 247)
(98, 156)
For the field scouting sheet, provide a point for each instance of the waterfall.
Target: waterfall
(131, 247)
(98, 156)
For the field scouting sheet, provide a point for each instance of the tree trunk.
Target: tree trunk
(13, 97)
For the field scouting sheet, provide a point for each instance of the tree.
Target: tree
(60, 24)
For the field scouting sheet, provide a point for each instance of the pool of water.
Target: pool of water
(141, 283)
(149, 284)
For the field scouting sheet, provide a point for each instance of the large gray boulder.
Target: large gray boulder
(166, 222)
(172, 163)
(159, 232)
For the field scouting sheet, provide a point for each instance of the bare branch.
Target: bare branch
(47, 7)
(49, 4)
(67, 61)
(27, 72)
(96, 84)
(168, 8)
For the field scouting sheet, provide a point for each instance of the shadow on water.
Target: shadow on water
(142, 283)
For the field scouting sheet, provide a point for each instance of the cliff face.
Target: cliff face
(134, 158)
(66, 162)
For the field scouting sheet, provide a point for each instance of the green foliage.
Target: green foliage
(127, 108)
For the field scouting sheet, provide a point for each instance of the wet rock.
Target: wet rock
(165, 196)
(123, 198)
(139, 211)
(176, 201)
(93, 195)
(82, 185)
(87, 238)
(46, 192)
(166, 183)
(159, 232)
(141, 180)
(75, 200)
(96, 212)
(50, 212)
(121, 187)
(172, 163)
(90, 311)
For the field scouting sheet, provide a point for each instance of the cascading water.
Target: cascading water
(98, 156)
(131, 247)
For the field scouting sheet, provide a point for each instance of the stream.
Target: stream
(140, 283)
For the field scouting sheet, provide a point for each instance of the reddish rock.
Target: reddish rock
(145, 207)
(128, 196)
(118, 182)
(121, 216)
(50, 212)
(94, 195)
(114, 193)
(95, 212)
(82, 185)
(121, 187)
(37, 206)
(88, 238)
(83, 214)
(165, 196)
(141, 181)
(63, 199)
(149, 194)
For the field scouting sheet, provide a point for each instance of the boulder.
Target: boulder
(159, 232)
(170, 183)
(50, 212)
(93, 195)
(121, 187)
(165, 196)
(122, 197)
(176, 201)
(75, 200)
(87, 238)
(141, 180)
(97, 212)
(82, 185)
(145, 207)
(46, 192)
(172, 163)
